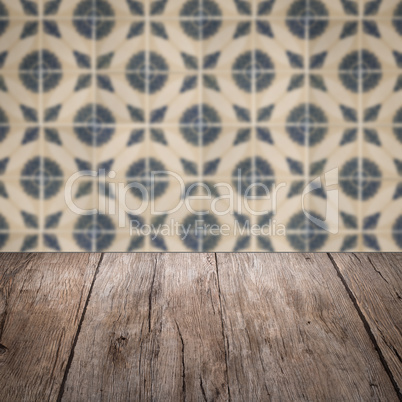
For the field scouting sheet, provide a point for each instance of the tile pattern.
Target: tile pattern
(226, 96)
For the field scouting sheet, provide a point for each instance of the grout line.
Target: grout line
(41, 140)
(254, 117)
(174, 72)
(226, 125)
(307, 112)
(234, 18)
(94, 230)
(223, 327)
(200, 128)
(366, 327)
(342, 232)
(75, 341)
(191, 178)
(147, 106)
(360, 137)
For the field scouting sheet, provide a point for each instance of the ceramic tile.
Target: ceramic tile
(380, 105)
(382, 47)
(276, 47)
(29, 9)
(276, 125)
(284, 101)
(19, 45)
(337, 48)
(123, 49)
(68, 47)
(380, 9)
(173, 46)
(19, 100)
(383, 146)
(120, 99)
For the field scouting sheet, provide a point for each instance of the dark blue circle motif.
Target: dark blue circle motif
(397, 232)
(257, 173)
(140, 173)
(40, 69)
(41, 177)
(94, 125)
(147, 75)
(397, 21)
(200, 124)
(89, 19)
(358, 68)
(198, 23)
(4, 125)
(250, 70)
(307, 121)
(306, 20)
(3, 231)
(94, 233)
(365, 181)
(398, 124)
(305, 235)
(4, 20)
(202, 235)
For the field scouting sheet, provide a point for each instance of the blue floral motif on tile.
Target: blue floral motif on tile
(305, 18)
(142, 182)
(360, 69)
(250, 71)
(253, 177)
(147, 72)
(4, 227)
(199, 238)
(94, 124)
(200, 124)
(398, 124)
(363, 181)
(202, 18)
(88, 19)
(4, 22)
(94, 232)
(307, 124)
(40, 69)
(397, 21)
(41, 178)
(397, 231)
(311, 237)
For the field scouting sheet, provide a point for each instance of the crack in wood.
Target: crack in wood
(376, 270)
(70, 358)
(150, 294)
(203, 390)
(183, 366)
(367, 326)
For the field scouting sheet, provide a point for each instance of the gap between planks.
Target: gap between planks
(369, 328)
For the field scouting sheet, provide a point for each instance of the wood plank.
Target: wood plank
(42, 297)
(375, 281)
(293, 333)
(152, 331)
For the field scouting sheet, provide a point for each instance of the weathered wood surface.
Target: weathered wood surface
(175, 327)
(42, 297)
(375, 280)
(152, 331)
(292, 332)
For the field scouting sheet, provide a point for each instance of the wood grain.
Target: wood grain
(375, 280)
(292, 332)
(152, 331)
(42, 297)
